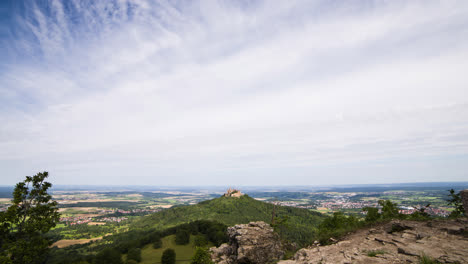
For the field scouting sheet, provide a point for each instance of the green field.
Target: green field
(184, 253)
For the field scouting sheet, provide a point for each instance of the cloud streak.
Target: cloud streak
(217, 92)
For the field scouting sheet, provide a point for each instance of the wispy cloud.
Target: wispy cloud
(218, 92)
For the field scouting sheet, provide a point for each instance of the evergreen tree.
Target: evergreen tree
(455, 201)
(389, 209)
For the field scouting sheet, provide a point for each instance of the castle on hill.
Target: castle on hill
(233, 193)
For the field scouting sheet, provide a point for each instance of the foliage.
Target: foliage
(427, 260)
(456, 201)
(80, 231)
(168, 256)
(134, 254)
(420, 214)
(374, 253)
(214, 232)
(108, 255)
(182, 236)
(157, 243)
(22, 227)
(200, 241)
(389, 209)
(372, 214)
(336, 226)
(201, 256)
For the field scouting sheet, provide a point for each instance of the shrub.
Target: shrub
(455, 201)
(374, 253)
(201, 256)
(427, 260)
(200, 241)
(182, 236)
(134, 254)
(157, 244)
(108, 255)
(168, 256)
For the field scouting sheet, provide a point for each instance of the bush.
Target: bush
(372, 215)
(455, 201)
(168, 256)
(157, 244)
(201, 256)
(336, 226)
(427, 260)
(134, 254)
(182, 236)
(108, 255)
(389, 209)
(200, 241)
(374, 253)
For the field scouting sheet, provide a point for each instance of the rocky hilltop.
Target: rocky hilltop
(399, 241)
(249, 243)
(445, 241)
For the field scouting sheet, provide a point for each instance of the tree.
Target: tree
(134, 254)
(200, 241)
(456, 201)
(108, 255)
(372, 214)
(157, 243)
(23, 225)
(168, 256)
(201, 256)
(389, 209)
(182, 236)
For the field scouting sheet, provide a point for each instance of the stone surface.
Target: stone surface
(233, 193)
(443, 240)
(249, 243)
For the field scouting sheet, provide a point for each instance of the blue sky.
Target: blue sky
(234, 92)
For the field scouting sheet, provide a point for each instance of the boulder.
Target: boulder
(255, 242)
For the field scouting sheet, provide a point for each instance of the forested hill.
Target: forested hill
(298, 225)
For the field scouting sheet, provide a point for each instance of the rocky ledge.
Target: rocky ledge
(445, 241)
(249, 243)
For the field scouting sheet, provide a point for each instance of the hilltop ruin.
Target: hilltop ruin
(233, 193)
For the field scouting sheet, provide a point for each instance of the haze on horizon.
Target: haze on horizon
(234, 92)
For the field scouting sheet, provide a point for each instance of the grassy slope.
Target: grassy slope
(184, 253)
(231, 211)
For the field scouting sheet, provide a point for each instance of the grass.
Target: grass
(374, 253)
(184, 253)
(427, 260)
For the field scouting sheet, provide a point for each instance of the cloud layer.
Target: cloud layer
(234, 92)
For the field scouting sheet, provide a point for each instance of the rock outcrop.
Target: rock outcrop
(445, 241)
(249, 243)
(233, 193)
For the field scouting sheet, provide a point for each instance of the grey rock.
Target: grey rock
(249, 243)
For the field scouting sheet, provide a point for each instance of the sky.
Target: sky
(234, 93)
